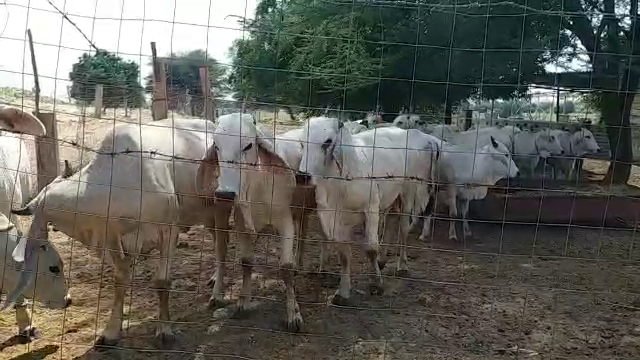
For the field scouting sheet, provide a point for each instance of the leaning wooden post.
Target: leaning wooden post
(205, 82)
(159, 108)
(97, 102)
(47, 158)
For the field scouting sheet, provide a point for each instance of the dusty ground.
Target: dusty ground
(512, 292)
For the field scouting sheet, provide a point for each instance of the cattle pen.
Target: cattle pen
(551, 270)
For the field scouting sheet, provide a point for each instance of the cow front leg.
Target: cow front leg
(26, 331)
(328, 223)
(372, 246)
(122, 276)
(402, 268)
(220, 229)
(286, 231)
(246, 236)
(168, 243)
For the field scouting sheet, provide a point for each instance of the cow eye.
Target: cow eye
(552, 138)
(327, 143)
(43, 247)
(248, 147)
(54, 269)
(588, 137)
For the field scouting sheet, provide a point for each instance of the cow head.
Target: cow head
(39, 267)
(239, 144)
(583, 142)
(496, 162)
(547, 144)
(17, 120)
(324, 142)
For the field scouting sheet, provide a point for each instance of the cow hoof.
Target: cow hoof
(423, 238)
(375, 289)
(164, 339)
(215, 304)
(27, 336)
(402, 272)
(453, 238)
(240, 312)
(295, 325)
(339, 300)
(105, 341)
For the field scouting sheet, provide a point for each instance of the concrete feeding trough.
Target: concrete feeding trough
(559, 203)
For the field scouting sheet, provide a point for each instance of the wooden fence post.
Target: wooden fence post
(205, 82)
(47, 159)
(160, 107)
(97, 102)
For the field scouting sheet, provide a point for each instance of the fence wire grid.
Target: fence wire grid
(523, 110)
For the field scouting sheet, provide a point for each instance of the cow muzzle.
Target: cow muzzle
(303, 178)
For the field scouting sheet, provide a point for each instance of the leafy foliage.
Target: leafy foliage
(119, 77)
(357, 55)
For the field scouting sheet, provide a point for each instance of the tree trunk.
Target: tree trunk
(616, 115)
(448, 109)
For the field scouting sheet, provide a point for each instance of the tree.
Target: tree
(183, 73)
(608, 33)
(358, 55)
(120, 80)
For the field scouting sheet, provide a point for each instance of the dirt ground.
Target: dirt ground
(511, 292)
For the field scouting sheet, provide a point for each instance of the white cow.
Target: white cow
(15, 189)
(575, 145)
(261, 184)
(526, 147)
(130, 203)
(341, 166)
(473, 172)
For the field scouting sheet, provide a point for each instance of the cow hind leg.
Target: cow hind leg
(168, 244)
(286, 231)
(122, 276)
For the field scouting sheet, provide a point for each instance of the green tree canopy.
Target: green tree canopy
(389, 53)
(119, 77)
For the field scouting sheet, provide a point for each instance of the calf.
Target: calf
(261, 185)
(132, 197)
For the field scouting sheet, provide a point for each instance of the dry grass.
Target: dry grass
(513, 292)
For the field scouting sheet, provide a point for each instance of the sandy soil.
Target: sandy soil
(512, 292)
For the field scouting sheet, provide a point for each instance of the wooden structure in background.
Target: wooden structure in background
(159, 107)
(47, 158)
(97, 102)
(205, 82)
(46, 146)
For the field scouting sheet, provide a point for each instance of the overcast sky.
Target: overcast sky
(118, 27)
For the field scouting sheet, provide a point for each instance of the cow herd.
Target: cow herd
(149, 182)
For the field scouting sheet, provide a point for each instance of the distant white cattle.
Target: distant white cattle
(472, 172)
(527, 148)
(130, 203)
(261, 184)
(15, 189)
(342, 165)
(575, 145)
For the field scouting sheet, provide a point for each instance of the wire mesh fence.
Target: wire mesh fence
(378, 179)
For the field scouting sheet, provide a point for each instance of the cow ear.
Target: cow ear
(208, 172)
(267, 148)
(493, 142)
(14, 119)
(20, 252)
(5, 223)
(68, 170)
